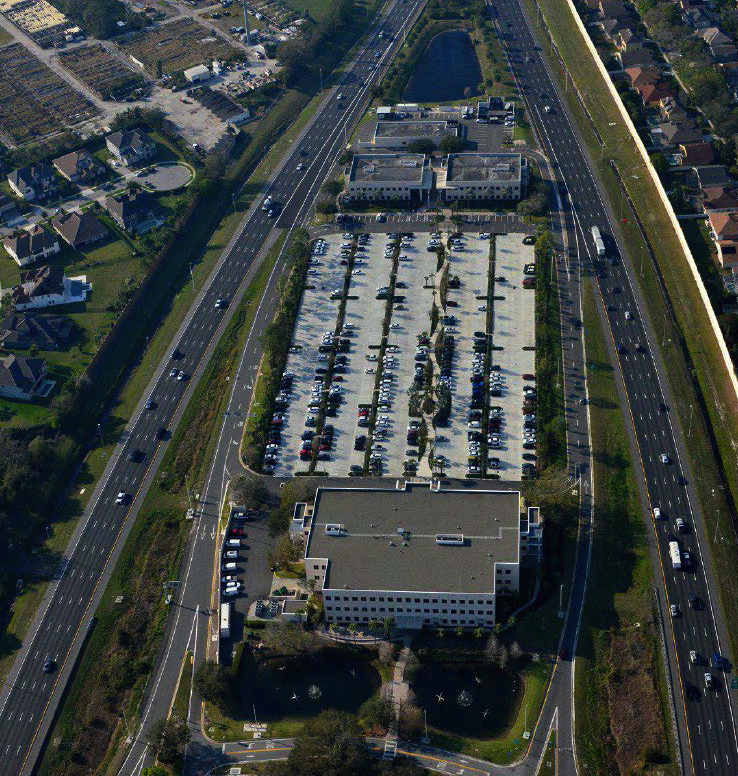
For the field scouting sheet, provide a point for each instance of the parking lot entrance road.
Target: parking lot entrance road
(317, 314)
(416, 270)
(466, 306)
(514, 339)
(363, 319)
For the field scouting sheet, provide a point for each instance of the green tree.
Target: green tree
(155, 770)
(375, 715)
(212, 682)
(451, 144)
(169, 737)
(331, 744)
(248, 492)
(286, 551)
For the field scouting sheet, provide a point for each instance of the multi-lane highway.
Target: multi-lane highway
(30, 696)
(708, 725)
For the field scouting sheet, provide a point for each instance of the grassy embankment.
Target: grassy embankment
(691, 356)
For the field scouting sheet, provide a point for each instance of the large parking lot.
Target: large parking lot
(369, 371)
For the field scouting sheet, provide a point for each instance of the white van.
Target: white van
(229, 567)
(233, 543)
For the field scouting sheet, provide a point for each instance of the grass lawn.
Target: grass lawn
(620, 703)
(689, 338)
(181, 701)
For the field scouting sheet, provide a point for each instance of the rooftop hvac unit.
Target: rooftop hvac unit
(454, 539)
(408, 163)
(335, 529)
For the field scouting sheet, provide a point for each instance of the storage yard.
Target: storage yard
(34, 101)
(177, 46)
(38, 19)
(107, 76)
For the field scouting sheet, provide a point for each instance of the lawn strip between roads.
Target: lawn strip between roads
(700, 385)
(122, 649)
(619, 659)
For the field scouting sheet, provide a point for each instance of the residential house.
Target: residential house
(724, 226)
(652, 94)
(719, 198)
(642, 76)
(720, 45)
(697, 154)
(31, 245)
(47, 286)
(80, 229)
(22, 378)
(79, 167)
(131, 146)
(614, 9)
(636, 55)
(134, 211)
(675, 134)
(34, 181)
(611, 27)
(727, 253)
(671, 110)
(46, 332)
(697, 18)
(711, 175)
(626, 37)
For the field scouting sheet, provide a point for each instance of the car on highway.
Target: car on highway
(121, 498)
(664, 458)
(220, 303)
(674, 610)
(709, 681)
(150, 404)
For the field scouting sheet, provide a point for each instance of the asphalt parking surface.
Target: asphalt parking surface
(514, 330)
(364, 314)
(317, 314)
(471, 265)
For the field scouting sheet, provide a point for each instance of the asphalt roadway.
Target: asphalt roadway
(705, 718)
(29, 697)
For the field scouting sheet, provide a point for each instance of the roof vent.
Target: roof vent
(448, 539)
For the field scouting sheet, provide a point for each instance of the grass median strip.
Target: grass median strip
(106, 692)
(699, 382)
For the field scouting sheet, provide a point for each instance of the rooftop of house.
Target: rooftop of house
(469, 168)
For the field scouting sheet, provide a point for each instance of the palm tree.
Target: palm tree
(332, 627)
(440, 632)
(373, 624)
(478, 633)
(459, 631)
(388, 623)
(352, 628)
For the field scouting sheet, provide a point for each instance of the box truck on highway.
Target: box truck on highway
(676, 556)
(599, 243)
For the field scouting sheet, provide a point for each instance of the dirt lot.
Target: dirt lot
(34, 100)
(104, 73)
(177, 45)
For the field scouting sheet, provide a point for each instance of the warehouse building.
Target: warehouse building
(398, 134)
(419, 554)
(483, 177)
(389, 177)
(197, 73)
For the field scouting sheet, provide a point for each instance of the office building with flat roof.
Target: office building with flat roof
(500, 176)
(419, 554)
(388, 177)
(398, 134)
